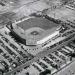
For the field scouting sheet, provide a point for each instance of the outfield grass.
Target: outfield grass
(37, 22)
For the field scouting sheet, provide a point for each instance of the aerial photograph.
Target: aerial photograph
(37, 37)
